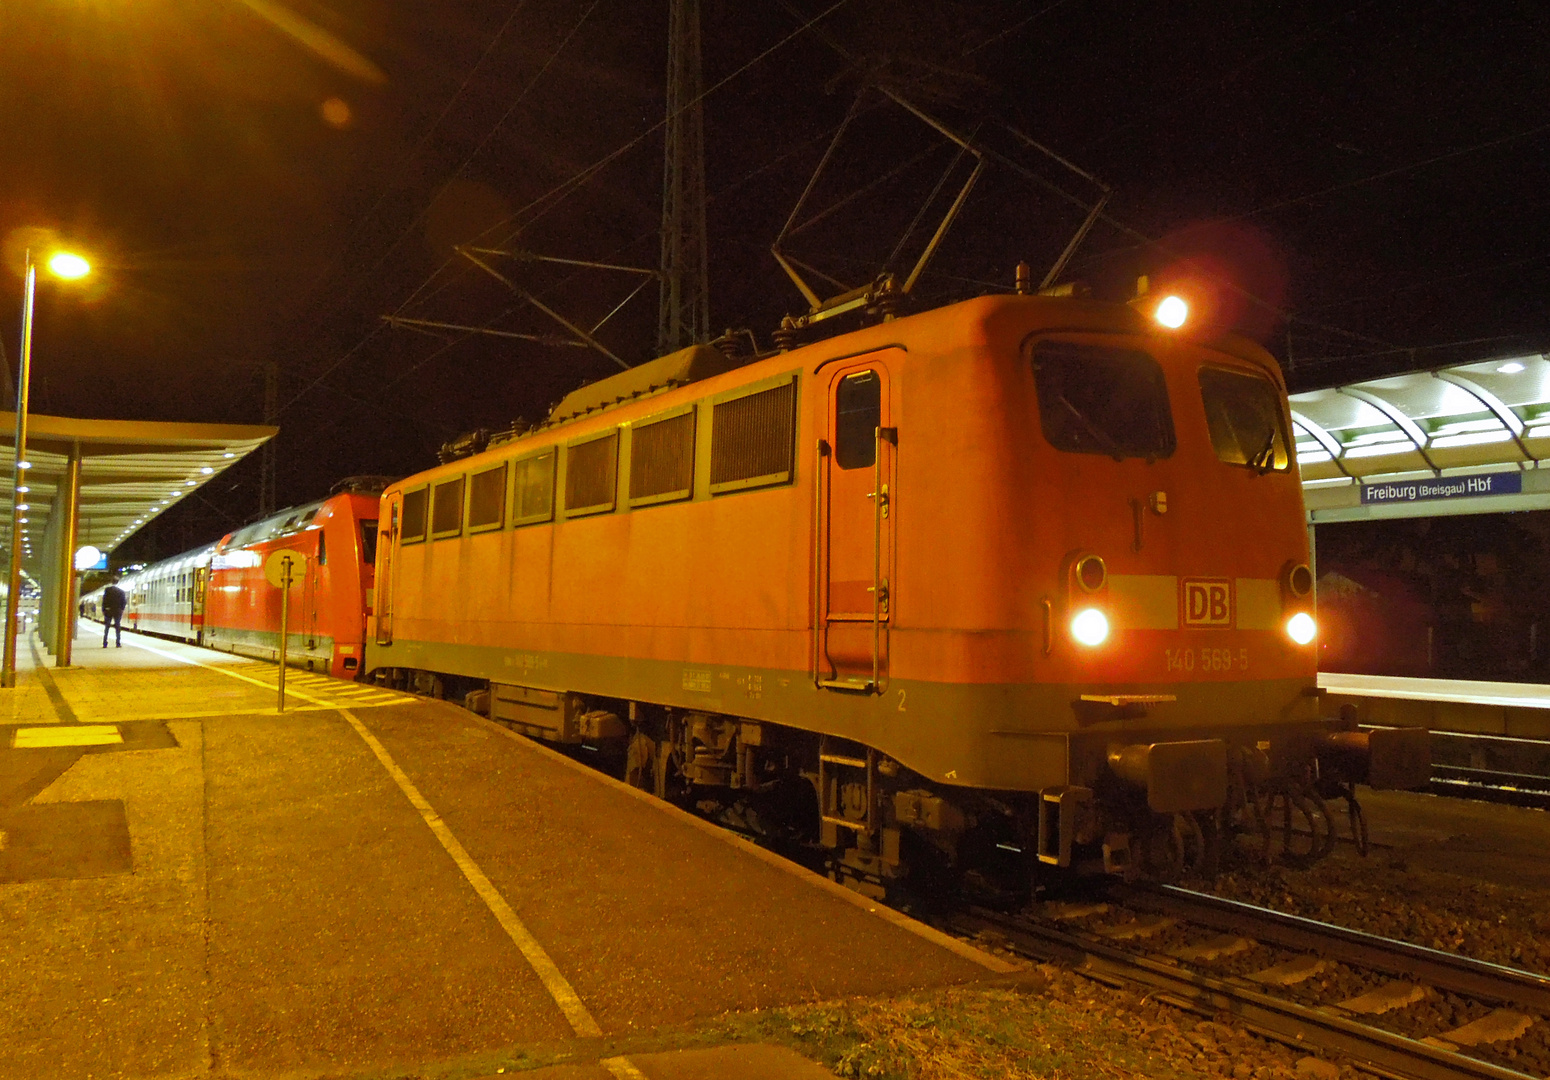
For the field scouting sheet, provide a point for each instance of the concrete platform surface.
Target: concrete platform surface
(1508, 845)
(192, 883)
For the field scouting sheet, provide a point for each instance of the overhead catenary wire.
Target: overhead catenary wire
(547, 201)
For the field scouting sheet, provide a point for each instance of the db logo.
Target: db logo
(1207, 602)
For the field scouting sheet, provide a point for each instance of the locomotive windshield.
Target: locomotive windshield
(1243, 412)
(1098, 399)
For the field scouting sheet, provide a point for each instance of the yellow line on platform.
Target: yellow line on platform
(271, 687)
(622, 1068)
(559, 987)
(32, 738)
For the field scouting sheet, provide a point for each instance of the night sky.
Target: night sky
(261, 182)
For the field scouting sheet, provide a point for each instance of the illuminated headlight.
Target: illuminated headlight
(1301, 628)
(1090, 627)
(1171, 311)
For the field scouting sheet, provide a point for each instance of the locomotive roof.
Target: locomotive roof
(675, 369)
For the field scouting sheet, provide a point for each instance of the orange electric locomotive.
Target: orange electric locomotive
(1020, 580)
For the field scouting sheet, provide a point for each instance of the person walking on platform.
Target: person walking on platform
(113, 601)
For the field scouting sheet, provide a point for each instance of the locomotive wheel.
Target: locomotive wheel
(640, 762)
(1164, 848)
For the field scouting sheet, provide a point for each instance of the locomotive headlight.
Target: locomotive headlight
(1171, 311)
(1301, 628)
(1090, 627)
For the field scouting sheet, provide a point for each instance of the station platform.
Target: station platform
(1515, 710)
(193, 882)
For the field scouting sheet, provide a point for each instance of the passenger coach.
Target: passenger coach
(1023, 574)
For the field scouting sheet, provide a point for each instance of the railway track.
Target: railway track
(1388, 1001)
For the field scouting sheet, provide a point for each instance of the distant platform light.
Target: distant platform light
(68, 265)
(1171, 311)
(1511, 367)
(24, 464)
(206, 470)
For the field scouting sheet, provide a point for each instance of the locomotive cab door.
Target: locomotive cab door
(856, 533)
(387, 562)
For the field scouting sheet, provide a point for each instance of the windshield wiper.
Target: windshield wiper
(1103, 438)
(1265, 460)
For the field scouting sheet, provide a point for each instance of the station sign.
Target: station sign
(1447, 487)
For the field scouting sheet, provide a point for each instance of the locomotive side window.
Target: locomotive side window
(751, 439)
(1098, 399)
(591, 475)
(1243, 413)
(369, 542)
(532, 498)
(662, 460)
(447, 508)
(414, 515)
(487, 498)
(858, 410)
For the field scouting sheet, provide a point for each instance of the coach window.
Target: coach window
(1099, 399)
(1243, 413)
(414, 515)
(487, 499)
(532, 489)
(447, 508)
(858, 410)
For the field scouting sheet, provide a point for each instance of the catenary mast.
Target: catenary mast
(684, 311)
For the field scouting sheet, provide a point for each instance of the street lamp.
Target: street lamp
(69, 266)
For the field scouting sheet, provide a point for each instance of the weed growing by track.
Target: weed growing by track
(1053, 1025)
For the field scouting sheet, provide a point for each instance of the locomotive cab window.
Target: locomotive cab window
(858, 412)
(1101, 399)
(369, 542)
(1243, 413)
(414, 515)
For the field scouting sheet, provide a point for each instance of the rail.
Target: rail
(1372, 1048)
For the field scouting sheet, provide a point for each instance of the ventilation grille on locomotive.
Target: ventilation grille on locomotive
(447, 508)
(662, 460)
(751, 439)
(487, 498)
(590, 475)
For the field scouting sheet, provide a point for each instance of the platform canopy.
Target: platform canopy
(1457, 440)
(131, 470)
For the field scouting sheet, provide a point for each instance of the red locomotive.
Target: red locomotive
(217, 595)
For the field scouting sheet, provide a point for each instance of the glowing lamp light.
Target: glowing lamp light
(1090, 627)
(206, 470)
(24, 464)
(87, 557)
(1511, 367)
(1301, 628)
(24, 489)
(1171, 312)
(68, 265)
(23, 506)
